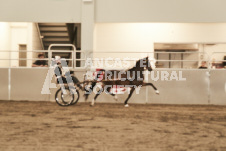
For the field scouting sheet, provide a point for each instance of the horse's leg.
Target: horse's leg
(94, 99)
(150, 84)
(115, 97)
(130, 94)
(90, 90)
(93, 84)
(108, 91)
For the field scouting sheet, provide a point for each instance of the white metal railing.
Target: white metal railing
(216, 62)
(92, 55)
(50, 51)
(152, 54)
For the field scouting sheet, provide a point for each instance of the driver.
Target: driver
(63, 77)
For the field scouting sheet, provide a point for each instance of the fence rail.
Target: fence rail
(186, 60)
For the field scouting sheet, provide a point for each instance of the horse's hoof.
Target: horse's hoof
(91, 105)
(127, 105)
(157, 91)
(116, 98)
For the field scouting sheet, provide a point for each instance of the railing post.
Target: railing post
(66, 45)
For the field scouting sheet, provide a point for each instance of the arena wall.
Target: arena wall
(4, 81)
(218, 87)
(27, 83)
(193, 90)
(198, 88)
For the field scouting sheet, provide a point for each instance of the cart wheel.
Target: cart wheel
(75, 97)
(67, 98)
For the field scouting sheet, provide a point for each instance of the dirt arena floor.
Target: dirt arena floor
(45, 126)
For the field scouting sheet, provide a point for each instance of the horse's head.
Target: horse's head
(147, 64)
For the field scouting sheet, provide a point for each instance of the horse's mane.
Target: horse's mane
(136, 65)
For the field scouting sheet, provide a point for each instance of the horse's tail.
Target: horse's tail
(93, 84)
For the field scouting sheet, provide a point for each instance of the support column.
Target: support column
(87, 26)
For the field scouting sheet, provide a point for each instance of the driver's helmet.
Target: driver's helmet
(57, 58)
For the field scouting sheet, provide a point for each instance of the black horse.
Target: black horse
(132, 78)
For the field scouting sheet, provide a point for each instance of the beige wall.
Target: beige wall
(114, 11)
(135, 37)
(140, 37)
(40, 11)
(4, 44)
(87, 26)
(36, 41)
(4, 36)
(4, 84)
(12, 35)
(160, 11)
(20, 34)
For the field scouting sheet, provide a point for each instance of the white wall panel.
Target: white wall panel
(27, 84)
(194, 90)
(4, 44)
(4, 84)
(40, 10)
(218, 87)
(199, 88)
(160, 11)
